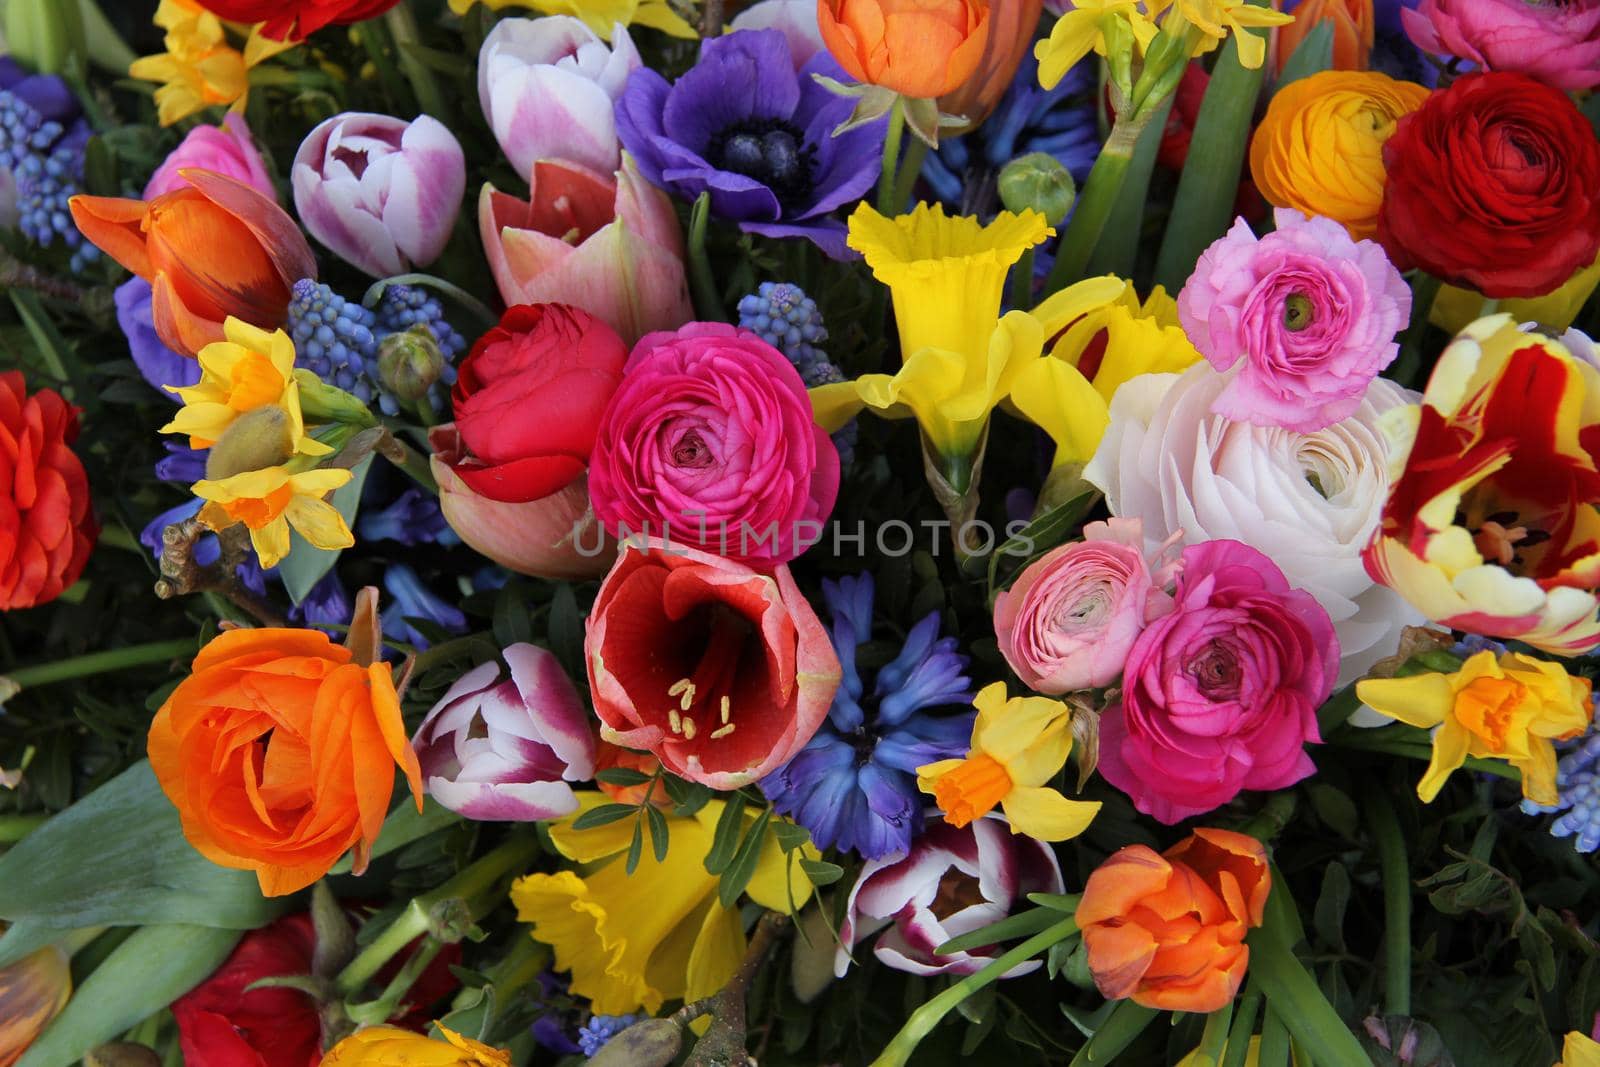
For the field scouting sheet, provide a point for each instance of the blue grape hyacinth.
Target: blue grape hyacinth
(1578, 794)
(788, 320)
(854, 785)
(602, 1028)
(44, 152)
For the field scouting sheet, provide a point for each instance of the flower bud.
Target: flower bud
(1039, 181)
(321, 402)
(811, 965)
(409, 363)
(652, 1043)
(256, 440)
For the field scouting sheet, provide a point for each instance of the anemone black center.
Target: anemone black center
(771, 151)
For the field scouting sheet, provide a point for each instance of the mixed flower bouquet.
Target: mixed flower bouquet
(808, 532)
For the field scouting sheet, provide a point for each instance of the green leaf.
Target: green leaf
(100, 169)
(513, 624)
(1037, 538)
(743, 867)
(658, 831)
(566, 630)
(147, 972)
(404, 826)
(1313, 55)
(790, 836)
(623, 777)
(1025, 924)
(1125, 1023)
(306, 564)
(725, 838)
(118, 857)
(635, 848)
(1123, 236)
(1331, 905)
(603, 815)
(821, 872)
(1295, 998)
(52, 348)
(1203, 207)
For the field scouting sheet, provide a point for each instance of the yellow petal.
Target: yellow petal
(1450, 745)
(1423, 700)
(1046, 815)
(319, 522)
(1052, 395)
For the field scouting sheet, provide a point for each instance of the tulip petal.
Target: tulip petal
(277, 232)
(505, 802)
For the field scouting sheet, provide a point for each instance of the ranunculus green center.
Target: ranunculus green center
(1297, 311)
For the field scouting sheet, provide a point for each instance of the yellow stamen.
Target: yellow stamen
(727, 710)
(674, 721)
(688, 728)
(683, 689)
(722, 731)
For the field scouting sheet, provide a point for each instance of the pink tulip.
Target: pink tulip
(548, 87)
(556, 536)
(228, 150)
(505, 751)
(609, 246)
(381, 193)
(795, 19)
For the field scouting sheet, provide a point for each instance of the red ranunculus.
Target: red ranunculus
(1492, 187)
(529, 399)
(222, 1025)
(295, 19)
(719, 671)
(46, 524)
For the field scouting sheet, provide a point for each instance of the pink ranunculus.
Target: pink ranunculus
(506, 751)
(228, 150)
(1070, 618)
(555, 536)
(609, 244)
(547, 87)
(795, 19)
(721, 672)
(1310, 313)
(1557, 43)
(953, 881)
(1220, 695)
(382, 193)
(710, 442)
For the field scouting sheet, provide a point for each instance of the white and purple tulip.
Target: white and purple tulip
(548, 87)
(381, 193)
(505, 751)
(953, 881)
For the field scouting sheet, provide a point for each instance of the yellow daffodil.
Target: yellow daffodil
(270, 501)
(661, 933)
(1068, 393)
(390, 1046)
(958, 357)
(1216, 18)
(599, 15)
(199, 69)
(1579, 1050)
(1509, 708)
(1081, 30)
(1017, 746)
(252, 369)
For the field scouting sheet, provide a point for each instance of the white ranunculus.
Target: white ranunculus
(1308, 501)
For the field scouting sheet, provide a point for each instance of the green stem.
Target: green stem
(417, 919)
(891, 159)
(1424, 290)
(387, 1006)
(898, 1052)
(702, 282)
(1094, 206)
(1274, 1049)
(416, 466)
(1396, 902)
(117, 536)
(1022, 282)
(1244, 1022)
(97, 663)
(1422, 751)
(1215, 1036)
(379, 43)
(468, 302)
(910, 167)
(403, 27)
(14, 828)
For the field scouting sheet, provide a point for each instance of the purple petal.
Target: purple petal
(483, 802)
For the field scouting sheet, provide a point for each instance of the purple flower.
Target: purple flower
(953, 881)
(410, 599)
(160, 365)
(181, 465)
(742, 126)
(413, 518)
(1310, 313)
(506, 751)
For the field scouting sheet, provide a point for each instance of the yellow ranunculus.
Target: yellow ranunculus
(1509, 708)
(1068, 393)
(1319, 147)
(1081, 30)
(1017, 746)
(270, 501)
(636, 941)
(32, 991)
(252, 369)
(958, 357)
(199, 69)
(390, 1046)
(599, 15)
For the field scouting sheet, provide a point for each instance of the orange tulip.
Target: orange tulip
(1012, 25)
(279, 752)
(211, 249)
(1168, 931)
(917, 48)
(1353, 31)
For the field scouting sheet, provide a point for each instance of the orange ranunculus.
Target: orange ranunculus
(1012, 25)
(211, 249)
(279, 752)
(1353, 31)
(1168, 930)
(917, 48)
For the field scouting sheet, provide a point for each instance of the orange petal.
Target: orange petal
(116, 226)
